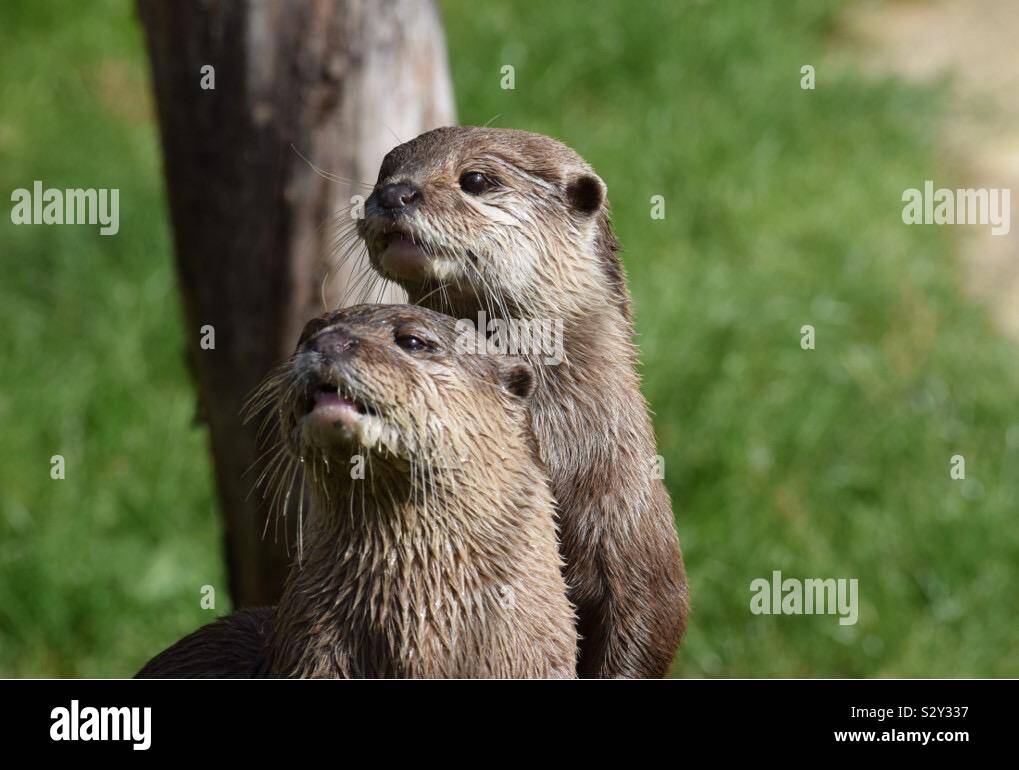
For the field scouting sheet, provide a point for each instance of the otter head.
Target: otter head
(471, 218)
(390, 381)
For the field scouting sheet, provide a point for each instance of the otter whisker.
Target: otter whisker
(271, 512)
(271, 469)
(352, 248)
(328, 174)
(300, 522)
(429, 294)
(275, 447)
(360, 284)
(382, 292)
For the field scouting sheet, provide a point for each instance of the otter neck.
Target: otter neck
(400, 577)
(598, 340)
(598, 385)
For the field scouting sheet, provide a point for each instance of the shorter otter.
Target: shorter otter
(431, 548)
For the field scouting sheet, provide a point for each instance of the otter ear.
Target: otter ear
(585, 193)
(517, 377)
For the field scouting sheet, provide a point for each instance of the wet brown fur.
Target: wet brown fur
(443, 560)
(540, 245)
(230, 647)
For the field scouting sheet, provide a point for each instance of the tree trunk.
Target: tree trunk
(254, 224)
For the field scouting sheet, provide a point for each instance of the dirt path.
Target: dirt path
(976, 44)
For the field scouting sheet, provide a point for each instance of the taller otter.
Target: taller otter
(517, 225)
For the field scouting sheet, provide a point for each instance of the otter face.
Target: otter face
(389, 379)
(482, 217)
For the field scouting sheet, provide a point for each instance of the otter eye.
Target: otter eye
(475, 183)
(410, 342)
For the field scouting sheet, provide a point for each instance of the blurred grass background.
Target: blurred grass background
(782, 209)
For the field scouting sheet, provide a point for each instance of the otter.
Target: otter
(516, 224)
(430, 548)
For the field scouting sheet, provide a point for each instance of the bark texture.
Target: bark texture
(255, 225)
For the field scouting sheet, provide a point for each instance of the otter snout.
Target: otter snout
(388, 229)
(395, 197)
(333, 344)
(332, 413)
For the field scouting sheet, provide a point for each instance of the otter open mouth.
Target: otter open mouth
(419, 265)
(402, 256)
(329, 397)
(334, 417)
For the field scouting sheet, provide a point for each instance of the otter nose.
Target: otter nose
(334, 343)
(398, 196)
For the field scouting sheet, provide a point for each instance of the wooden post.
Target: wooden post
(254, 224)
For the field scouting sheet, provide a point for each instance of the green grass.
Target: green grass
(101, 569)
(782, 209)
